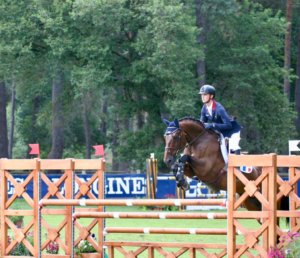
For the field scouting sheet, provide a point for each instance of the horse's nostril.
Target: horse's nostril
(169, 162)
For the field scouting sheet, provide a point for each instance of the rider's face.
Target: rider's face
(206, 98)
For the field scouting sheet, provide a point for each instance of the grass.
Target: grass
(55, 220)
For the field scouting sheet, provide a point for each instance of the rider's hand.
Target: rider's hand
(208, 125)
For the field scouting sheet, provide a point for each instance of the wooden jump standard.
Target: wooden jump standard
(268, 188)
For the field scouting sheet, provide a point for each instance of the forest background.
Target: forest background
(78, 73)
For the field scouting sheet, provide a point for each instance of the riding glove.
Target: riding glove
(208, 125)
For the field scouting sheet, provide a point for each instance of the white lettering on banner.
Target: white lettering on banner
(114, 185)
(294, 145)
(196, 190)
(138, 188)
(199, 189)
(95, 187)
(122, 185)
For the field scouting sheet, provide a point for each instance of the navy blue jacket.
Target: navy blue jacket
(220, 119)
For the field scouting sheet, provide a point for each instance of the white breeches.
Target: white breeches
(234, 141)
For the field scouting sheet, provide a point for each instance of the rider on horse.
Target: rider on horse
(214, 116)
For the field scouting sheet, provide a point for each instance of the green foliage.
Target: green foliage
(248, 76)
(127, 64)
(20, 249)
(84, 246)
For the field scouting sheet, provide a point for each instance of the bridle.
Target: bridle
(188, 144)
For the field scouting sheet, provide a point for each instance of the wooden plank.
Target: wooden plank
(3, 199)
(186, 231)
(69, 210)
(131, 202)
(97, 164)
(272, 190)
(289, 214)
(288, 161)
(166, 244)
(231, 186)
(10, 212)
(250, 160)
(152, 215)
(250, 214)
(56, 164)
(18, 164)
(53, 212)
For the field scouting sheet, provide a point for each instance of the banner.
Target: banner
(120, 186)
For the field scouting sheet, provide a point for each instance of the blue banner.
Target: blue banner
(119, 186)
(125, 186)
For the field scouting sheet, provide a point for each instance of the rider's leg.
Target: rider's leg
(234, 142)
(224, 149)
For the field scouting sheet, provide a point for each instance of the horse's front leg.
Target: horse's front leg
(180, 169)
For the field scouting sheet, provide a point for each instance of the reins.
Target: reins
(188, 143)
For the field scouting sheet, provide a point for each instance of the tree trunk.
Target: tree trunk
(57, 118)
(115, 162)
(103, 123)
(87, 129)
(3, 122)
(287, 47)
(200, 22)
(12, 121)
(297, 87)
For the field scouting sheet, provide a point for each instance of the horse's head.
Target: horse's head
(174, 141)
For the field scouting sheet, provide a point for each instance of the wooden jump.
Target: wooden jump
(149, 215)
(268, 189)
(132, 202)
(181, 231)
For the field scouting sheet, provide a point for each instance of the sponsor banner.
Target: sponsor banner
(119, 186)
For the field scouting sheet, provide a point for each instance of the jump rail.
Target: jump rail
(154, 215)
(182, 231)
(140, 202)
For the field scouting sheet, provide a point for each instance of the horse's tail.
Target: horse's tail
(285, 206)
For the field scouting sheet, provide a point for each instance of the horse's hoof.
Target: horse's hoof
(185, 186)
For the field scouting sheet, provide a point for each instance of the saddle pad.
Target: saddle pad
(246, 169)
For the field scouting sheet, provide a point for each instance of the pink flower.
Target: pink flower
(275, 253)
(52, 248)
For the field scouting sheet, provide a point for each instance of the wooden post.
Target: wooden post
(292, 203)
(3, 227)
(265, 192)
(231, 192)
(101, 195)
(272, 229)
(36, 200)
(69, 210)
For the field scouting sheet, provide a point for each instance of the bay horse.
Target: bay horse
(202, 156)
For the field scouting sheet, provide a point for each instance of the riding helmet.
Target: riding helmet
(207, 89)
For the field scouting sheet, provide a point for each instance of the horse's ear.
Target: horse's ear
(167, 122)
(176, 122)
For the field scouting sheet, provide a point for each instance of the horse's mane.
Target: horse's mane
(190, 118)
(197, 121)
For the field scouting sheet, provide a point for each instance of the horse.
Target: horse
(202, 157)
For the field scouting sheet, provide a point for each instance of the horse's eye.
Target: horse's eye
(176, 137)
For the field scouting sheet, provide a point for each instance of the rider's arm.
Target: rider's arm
(226, 122)
(203, 117)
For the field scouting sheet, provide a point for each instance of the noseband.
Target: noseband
(188, 143)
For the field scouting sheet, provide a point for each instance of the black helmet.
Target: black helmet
(207, 89)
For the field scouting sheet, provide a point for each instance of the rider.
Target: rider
(214, 116)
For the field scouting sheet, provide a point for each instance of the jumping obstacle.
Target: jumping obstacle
(132, 202)
(258, 240)
(151, 179)
(152, 215)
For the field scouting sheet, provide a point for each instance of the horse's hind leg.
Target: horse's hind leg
(188, 171)
(252, 204)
